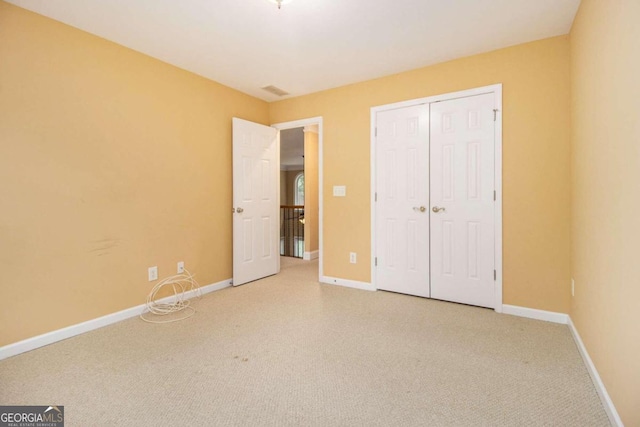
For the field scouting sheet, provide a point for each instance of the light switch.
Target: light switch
(339, 191)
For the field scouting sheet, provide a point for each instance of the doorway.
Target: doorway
(293, 223)
(436, 197)
(301, 192)
(257, 197)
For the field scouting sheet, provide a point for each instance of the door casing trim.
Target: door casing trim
(496, 89)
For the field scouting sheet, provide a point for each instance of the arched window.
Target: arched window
(298, 189)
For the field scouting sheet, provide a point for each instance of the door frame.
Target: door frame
(496, 90)
(297, 124)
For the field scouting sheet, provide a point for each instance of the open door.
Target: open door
(256, 212)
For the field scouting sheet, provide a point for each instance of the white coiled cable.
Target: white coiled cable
(181, 284)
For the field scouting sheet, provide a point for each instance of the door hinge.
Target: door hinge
(375, 197)
(376, 132)
(495, 275)
(494, 195)
(376, 261)
(495, 114)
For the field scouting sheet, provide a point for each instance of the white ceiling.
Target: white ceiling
(310, 45)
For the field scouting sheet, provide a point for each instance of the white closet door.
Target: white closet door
(402, 206)
(462, 143)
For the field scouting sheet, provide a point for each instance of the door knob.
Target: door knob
(436, 209)
(239, 210)
(421, 208)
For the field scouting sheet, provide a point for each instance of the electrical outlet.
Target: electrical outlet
(181, 267)
(352, 257)
(153, 273)
(573, 287)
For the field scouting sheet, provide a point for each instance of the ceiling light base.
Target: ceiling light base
(279, 3)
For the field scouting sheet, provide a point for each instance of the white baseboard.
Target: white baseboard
(562, 318)
(308, 256)
(210, 288)
(532, 313)
(347, 283)
(90, 325)
(609, 407)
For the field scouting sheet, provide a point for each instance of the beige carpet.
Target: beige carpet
(287, 351)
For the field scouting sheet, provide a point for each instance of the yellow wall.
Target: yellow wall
(605, 71)
(536, 172)
(310, 189)
(110, 162)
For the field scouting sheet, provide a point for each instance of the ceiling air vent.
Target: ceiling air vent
(275, 90)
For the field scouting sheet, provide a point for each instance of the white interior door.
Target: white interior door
(255, 202)
(402, 205)
(462, 144)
